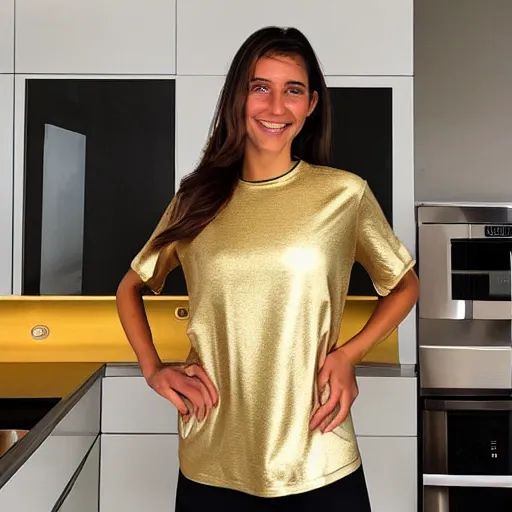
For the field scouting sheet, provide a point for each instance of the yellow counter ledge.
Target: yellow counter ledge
(84, 332)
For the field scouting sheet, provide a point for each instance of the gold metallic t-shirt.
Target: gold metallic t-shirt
(267, 282)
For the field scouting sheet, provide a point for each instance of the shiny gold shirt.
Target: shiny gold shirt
(267, 282)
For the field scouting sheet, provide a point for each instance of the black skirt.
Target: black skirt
(349, 494)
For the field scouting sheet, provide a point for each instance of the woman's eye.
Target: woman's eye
(259, 88)
(295, 91)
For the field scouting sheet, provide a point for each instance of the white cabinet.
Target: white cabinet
(386, 406)
(6, 177)
(390, 465)
(130, 406)
(385, 420)
(95, 36)
(6, 36)
(37, 485)
(196, 99)
(365, 37)
(138, 472)
(84, 495)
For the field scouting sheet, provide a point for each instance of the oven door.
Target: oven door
(480, 272)
(467, 460)
(465, 272)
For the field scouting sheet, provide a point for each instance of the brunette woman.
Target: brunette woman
(267, 233)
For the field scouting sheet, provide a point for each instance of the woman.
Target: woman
(267, 235)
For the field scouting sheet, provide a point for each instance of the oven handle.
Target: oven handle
(433, 480)
(467, 405)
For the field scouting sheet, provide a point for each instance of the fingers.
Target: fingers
(325, 410)
(193, 382)
(323, 378)
(163, 389)
(182, 391)
(198, 371)
(329, 418)
(342, 414)
(199, 397)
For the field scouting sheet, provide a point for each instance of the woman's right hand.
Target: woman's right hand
(185, 383)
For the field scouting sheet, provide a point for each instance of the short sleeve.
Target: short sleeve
(153, 266)
(378, 249)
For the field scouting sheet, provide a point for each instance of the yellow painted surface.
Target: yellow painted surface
(43, 380)
(87, 330)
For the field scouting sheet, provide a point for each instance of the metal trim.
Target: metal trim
(468, 405)
(464, 213)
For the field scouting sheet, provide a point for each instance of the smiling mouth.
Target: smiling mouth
(274, 127)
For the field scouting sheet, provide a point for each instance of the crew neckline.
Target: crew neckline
(277, 179)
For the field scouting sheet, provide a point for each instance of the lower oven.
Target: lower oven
(467, 454)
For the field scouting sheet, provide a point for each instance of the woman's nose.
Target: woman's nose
(277, 104)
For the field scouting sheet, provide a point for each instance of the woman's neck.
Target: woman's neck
(261, 166)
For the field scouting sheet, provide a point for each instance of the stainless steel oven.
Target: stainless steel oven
(467, 455)
(465, 356)
(465, 306)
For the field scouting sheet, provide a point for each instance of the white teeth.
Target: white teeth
(276, 126)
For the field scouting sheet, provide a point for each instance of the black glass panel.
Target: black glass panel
(99, 172)
(479, 443)
(363, 144)
(24, 413)
(480, 254)
(476, 499)
(489, 286)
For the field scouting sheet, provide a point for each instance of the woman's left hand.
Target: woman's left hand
(338, 372)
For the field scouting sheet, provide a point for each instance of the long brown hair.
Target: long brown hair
(205, 191)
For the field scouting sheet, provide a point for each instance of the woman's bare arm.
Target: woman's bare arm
(132, 314)
(176, 383)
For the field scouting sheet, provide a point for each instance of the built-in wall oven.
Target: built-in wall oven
(465, 356)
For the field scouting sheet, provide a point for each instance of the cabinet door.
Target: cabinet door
(390, 465)
(6, 175)
(95, 36)
(130, 406)
(386, 406)
(112, 138)
(138, 472)
(367, 37)
(84, 495)
(196, 99)
(6, 36)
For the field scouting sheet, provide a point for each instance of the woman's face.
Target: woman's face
(278, 103)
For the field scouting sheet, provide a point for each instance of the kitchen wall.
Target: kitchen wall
(362, 45)
(463, 100)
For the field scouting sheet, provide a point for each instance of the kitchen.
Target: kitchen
(436, 103)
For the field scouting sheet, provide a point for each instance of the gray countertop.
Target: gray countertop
(363, 370)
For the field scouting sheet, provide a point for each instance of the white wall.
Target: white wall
(6, 36)
(463, 100)
(6, 175)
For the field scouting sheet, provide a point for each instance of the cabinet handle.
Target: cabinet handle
(439, 480)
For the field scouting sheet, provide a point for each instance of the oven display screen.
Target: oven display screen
(498, 231)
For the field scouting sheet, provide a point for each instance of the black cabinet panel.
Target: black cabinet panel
(363, 144)
(126, 129)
